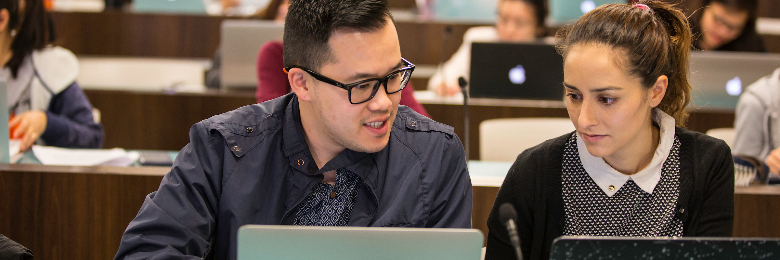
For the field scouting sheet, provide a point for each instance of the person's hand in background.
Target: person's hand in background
(773, 161)
(27, 127)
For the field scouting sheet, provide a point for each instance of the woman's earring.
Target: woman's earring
(13, 33)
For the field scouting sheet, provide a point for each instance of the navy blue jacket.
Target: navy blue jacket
(253, 166)
(70, 122)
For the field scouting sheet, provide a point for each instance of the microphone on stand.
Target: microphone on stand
(508, 216)
(464, 89)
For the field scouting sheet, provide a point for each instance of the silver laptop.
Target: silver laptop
(170, 6)
(566, 11)
(718, 78)
(240, 41)
(259, 242)
(698, 248)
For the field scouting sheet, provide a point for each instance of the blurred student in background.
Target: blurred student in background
(757, 122)
(727, 25)
(518, 21)
(629, 169)
(45, 104)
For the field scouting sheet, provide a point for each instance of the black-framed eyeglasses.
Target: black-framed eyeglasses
(364, 90)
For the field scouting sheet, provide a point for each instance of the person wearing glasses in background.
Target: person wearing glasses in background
(727, 25)
(338, 151)
(518, 21)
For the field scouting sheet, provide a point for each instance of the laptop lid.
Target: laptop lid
(240, 41)
(170, 6)
(566, 11)
(516, 71)
(471, 10)
(259, 242)
(568, 247)
(718, 78)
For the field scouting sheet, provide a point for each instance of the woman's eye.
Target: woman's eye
(607, 100)
(574, 96)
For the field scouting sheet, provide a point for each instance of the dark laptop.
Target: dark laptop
(516, 71)
(698, 248)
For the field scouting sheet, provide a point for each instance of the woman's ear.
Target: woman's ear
(299, 84)
(658, 91)
(5, 19)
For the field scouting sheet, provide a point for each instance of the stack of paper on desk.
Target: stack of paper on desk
(48, 155)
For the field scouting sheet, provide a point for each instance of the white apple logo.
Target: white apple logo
(734, 86)
(517, 75)
(587, 6)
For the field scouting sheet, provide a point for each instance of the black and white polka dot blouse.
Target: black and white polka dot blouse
(629, 211)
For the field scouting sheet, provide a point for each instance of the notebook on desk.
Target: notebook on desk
(699, 248)
(516, 71)
(240, 41)
(258, 242)
(718, 78)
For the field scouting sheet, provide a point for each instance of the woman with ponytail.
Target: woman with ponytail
(45, 104)
(630, 168)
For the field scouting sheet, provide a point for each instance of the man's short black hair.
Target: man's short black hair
(309, 24)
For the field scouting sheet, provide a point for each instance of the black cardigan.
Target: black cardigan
(534, 186)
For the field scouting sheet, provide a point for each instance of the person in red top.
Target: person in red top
(272, 81)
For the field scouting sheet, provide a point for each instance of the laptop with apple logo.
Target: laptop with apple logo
(718, 78)
(528, 71)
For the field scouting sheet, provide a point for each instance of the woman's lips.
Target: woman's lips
(591, 138)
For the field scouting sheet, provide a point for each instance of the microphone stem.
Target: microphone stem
(510, 226)
(466, 119)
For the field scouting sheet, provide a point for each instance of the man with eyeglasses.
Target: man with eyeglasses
(727, 25)
(339, 151)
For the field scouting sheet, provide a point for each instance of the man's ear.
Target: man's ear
(299, 84)
(658, 91)
(5, 19)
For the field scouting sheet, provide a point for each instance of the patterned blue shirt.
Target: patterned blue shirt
(330, 205)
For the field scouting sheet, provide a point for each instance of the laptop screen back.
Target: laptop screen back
(699, 248)
(240, 41)
(170, 6)
(566, 11)
(258, 242)
(718, 78)
(516, 71)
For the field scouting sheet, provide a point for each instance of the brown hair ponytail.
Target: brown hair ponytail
(656, 38)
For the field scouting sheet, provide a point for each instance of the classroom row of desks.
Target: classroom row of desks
(161, 121)
(62, 212)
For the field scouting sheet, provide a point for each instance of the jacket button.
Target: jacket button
(300, 162)
(236, 148)
(332, 194)
(250, 129)
(413, 123)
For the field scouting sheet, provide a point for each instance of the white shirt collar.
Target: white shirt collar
(606, 176)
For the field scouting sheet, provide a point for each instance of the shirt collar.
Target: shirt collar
(605, 176)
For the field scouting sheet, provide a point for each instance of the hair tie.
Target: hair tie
(643, 7)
